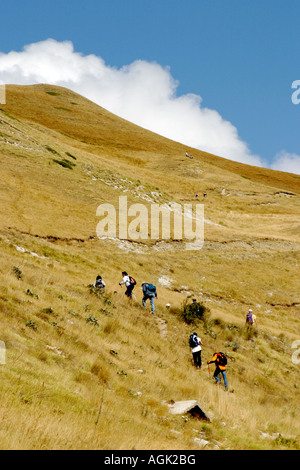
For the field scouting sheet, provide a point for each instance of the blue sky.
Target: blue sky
(240, 56)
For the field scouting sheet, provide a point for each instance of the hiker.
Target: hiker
(99, 283)
(195, 308)
(129, 283)
(187, 155)
(250, 318)
(149, 291)
(220, 360)
(196, 343)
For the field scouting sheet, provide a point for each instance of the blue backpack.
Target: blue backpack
(151, 288)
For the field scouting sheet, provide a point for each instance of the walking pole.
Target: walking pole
(208, 369)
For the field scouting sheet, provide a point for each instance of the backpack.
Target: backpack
(99, 283)
(221, 359)
(249, 318)
(132, 281)
(193, 342)
(151, 288)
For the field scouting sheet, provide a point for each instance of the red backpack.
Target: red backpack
(221, 359)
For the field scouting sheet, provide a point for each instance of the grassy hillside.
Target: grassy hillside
(89, 371)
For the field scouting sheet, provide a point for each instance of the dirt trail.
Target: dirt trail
(162, 326)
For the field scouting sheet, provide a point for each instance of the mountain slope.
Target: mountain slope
(81, 368)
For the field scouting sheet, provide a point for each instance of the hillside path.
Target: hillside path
(162, 326)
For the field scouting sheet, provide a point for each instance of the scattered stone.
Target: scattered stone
(265, 435)
(191, 407)
(201, 442)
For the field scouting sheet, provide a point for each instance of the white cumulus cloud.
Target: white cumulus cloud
(285, 161)
(142, 92)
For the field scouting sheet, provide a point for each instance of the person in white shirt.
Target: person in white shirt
(128, 284)
(196, 351)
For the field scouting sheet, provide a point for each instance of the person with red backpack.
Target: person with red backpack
(129, 282)
(221, 361)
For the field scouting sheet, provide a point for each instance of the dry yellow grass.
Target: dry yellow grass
(89, 372)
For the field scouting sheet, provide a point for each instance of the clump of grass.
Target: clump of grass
(96, 290)
(52, 93)
(50, 149)
(9, 115)
(74, 314)
(18, 273)
(2, 134)
(249, 333)
(71, 156)
(101, 371)
(65, 163)
(111, 326)
(61, 108)
(31, 324)
(32, 294)
(290, 443)
(48, 311)
(92, 320)
(220, 323)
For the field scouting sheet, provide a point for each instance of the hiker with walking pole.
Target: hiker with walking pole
(129, 282)
(221, 361)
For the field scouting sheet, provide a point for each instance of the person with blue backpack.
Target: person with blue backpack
(149, 292)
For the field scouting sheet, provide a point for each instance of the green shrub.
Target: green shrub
(194, 312)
